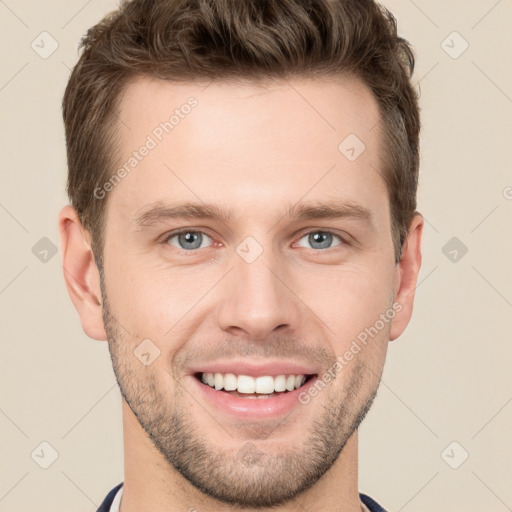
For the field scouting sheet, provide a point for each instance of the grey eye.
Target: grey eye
(189, 240)
(320, 239)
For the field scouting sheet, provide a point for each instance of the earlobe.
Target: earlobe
(406, 277)
(81, 273)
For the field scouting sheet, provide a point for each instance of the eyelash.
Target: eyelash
(301, 235)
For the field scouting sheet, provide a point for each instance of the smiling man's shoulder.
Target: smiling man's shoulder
(370, 504)
(109, 499)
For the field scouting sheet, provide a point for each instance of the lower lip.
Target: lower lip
(252, 408)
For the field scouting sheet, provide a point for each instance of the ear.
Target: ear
(81, 273)
(406, 277)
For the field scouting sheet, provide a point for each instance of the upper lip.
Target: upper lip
(254, 368)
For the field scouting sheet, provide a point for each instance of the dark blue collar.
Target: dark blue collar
(107, 502)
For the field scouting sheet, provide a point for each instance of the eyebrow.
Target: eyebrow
(160, 212)
(333, 209)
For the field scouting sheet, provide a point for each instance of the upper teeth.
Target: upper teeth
(247, 384)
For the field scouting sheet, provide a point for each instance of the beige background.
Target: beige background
(447, 378)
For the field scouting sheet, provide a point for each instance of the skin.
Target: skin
(255, 149)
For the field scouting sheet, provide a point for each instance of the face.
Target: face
(246, 243)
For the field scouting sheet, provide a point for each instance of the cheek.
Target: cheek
(350, 300)
(149, 300)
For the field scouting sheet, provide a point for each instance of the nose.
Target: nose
(257, 300)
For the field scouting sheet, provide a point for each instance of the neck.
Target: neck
(150, 483)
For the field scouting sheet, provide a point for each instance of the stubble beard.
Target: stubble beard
(247, 476)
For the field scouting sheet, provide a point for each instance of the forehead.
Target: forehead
(247, 143)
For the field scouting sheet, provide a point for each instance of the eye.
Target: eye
(189, 240)
(320, 239)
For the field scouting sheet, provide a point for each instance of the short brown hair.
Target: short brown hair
(181, 40)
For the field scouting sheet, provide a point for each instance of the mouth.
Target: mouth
(252, 390)
(254, 387)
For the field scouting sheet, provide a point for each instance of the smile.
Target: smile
(250, 398)
(246, 386)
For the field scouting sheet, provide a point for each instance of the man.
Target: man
(243, 232)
